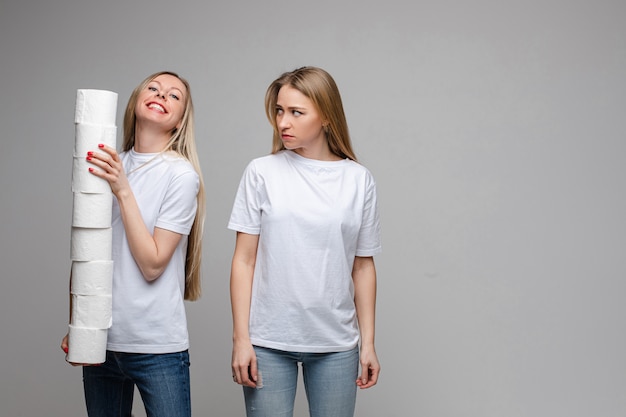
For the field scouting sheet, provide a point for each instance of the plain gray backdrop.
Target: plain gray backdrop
(496, 132)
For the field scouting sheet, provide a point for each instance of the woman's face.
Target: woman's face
(299, 123)
(162, 102)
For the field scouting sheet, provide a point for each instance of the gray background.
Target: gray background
(495, 130)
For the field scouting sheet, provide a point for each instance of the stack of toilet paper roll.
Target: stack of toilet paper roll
(91, 239)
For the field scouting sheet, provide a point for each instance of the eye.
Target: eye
(296, 113)
(279, 111)
(174, 96)
(151, 88)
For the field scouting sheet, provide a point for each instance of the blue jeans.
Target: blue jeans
(329, 381)
(162, 381)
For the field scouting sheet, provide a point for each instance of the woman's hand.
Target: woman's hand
(65, 346)
(244, 365)
(108, 166)
(370, 368)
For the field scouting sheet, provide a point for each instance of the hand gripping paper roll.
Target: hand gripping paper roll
(84, 181)
(88, 137)
(92, 277)
(97, 107)
(93, 311)
(92, 210)
(87, 345)
(91, 244)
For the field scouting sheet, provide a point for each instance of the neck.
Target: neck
(322, 154)
(150, 140)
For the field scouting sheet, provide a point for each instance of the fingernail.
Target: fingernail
(100, 145)
(89, 158)
(65, 349)
(90, 153)
(90, 169)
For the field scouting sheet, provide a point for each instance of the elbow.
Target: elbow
(152, 273)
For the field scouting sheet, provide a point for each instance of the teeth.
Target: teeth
(157, 107)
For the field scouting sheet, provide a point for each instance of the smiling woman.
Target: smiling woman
(157, 221)
(161, 105)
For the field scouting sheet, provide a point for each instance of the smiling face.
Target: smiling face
(300, 124)
(162, 102)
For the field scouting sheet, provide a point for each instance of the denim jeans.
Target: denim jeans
(329, 382)
(162, 381)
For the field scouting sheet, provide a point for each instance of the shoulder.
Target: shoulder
(359, 170)
(266, 163)
(181, 171)
(269, 160)
(178, 164)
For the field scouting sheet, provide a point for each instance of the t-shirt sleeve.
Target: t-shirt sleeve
(178, 210)
(246, 213)
(369, 242)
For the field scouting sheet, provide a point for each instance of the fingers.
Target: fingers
(252, 375)
(65, 344)
(111, 151)
(246, 375)
(369, 374)
(66, 348)
(245, 371)
(108, 160)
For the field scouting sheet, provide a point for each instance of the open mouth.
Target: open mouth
(157, 107)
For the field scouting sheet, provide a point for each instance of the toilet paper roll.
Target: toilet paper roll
(93, 311)
(87, 137)
(92, 210)
(84, 181)
(98, 107)
(92, 277)
(87, 345)
(90, 244)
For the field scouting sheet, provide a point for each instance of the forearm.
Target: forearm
(241, 277)
(364, 277)
(141, 242)
(240, 296)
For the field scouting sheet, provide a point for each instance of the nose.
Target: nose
(159, 94)
(282, 121)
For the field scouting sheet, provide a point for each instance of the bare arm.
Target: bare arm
(152, 252)
(244, 366)
(364, 277)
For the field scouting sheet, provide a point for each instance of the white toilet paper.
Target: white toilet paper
(92, 277)
(87, 345)
(90, 244)
(92, 210)
(87, 138)
(93, 311)
(98, 107)
(84, 181)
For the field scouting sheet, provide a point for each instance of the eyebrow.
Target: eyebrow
(291, 107)
(172, 88)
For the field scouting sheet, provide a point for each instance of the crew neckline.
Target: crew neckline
(311, 161)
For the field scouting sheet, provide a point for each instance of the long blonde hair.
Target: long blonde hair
(182, 142)
(319, 87)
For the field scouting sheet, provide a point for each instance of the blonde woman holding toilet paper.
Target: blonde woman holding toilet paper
(157, 223)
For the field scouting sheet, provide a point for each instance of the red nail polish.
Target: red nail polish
(90, 169)
(90, 153)
(100, 145)
(65, 349)
(89, 158)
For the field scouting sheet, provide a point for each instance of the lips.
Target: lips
(156, 106)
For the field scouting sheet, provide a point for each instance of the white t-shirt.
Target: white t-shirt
(313, 218)
(149, 317)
